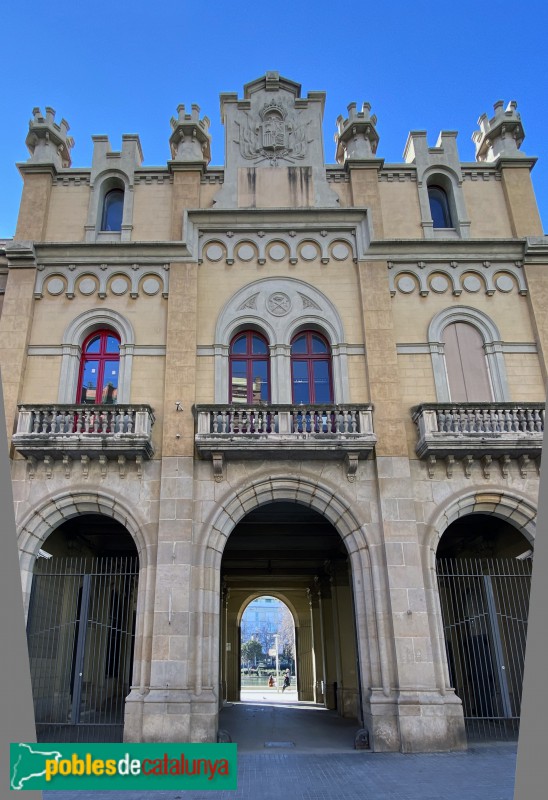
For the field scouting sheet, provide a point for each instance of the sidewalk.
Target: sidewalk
(300, 751)
(482, 773)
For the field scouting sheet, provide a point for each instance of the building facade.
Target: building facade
(320, 383)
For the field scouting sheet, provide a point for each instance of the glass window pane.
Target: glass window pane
(439, 208)
(113, 345)
(239, 345)
(113, 210)
(299, 345)
(89, 382)
(259, 372)
(94, 345)
(259, 346)
(238, 389)
(322, 389)
(110, 382)
(318, 345)
(301, 389)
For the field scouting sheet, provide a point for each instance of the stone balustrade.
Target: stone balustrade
(284, 431)
(479, 429)
(111, 430)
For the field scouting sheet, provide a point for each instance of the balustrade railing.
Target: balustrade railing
(330, 421)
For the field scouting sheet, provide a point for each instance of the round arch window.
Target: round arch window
(311, 379)
(113, 210)
(99, 369)
(249, 369)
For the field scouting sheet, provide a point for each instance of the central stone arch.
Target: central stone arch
(332, 506)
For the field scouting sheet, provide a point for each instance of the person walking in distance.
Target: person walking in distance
(287, 681)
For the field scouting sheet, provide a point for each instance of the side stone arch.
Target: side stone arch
(514, 508)
(38, 523)
(366, 566)
(73, 338)
(492, 346)
(280, 306)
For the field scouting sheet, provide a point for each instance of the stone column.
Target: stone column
(414, 713)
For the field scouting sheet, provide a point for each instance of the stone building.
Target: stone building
(321, 383)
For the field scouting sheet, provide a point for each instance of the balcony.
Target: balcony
(283, 431)
(482, 431)
(54, 432)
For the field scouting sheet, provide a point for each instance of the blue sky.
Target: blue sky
(123, 67)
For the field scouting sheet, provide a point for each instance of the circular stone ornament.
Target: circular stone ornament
(246, 252)
(119, 286)
(277, 252)
(278, 304)
(87, 286)
(504, 283)
(439, 283)
(214, 252)
(340, 251)
(406, 284)
(55, 286)
(309, 252)
(471, 283)
(151, 286)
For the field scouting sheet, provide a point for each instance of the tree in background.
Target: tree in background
(252, 651)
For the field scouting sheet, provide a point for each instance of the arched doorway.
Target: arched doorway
(290, 551)
(267, 647)
(483, 566)
(81, 629)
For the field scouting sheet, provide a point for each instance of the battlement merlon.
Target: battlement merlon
(502, 135)
(190, 140)
(47, 141)
(417, 150)
(130, 156)
(356, 137)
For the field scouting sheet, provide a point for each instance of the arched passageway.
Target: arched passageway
(484, 572)
(291, 552)
(81, 629)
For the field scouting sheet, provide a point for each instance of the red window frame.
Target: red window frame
(309, 357)
(102, 356)
(249, 357)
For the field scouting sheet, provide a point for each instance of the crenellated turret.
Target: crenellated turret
(190, 140)
(356, 137)
(47, 141)
(502, 135)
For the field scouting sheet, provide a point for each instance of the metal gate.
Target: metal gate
(484, 604)
(81, 632)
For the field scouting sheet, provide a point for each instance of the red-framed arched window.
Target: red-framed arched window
(249, 369)
(311, 379)
(99, 369)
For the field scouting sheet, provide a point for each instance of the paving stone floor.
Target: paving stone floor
(322, 765)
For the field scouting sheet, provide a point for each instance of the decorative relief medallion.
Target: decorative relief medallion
(471, 283)
(309, 252)
(87, 286)
(504, 283)
(340, 251)
(246, 252)
(119, 286)
(214, 252)
(55, 286)
(406, 284)
(151, 286)
(277, 252)
(272, 135)
(278, 304)
(439, 284)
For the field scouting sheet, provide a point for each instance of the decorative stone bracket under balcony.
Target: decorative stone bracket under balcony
(284, 431)
(67, 432)
(481, 431)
